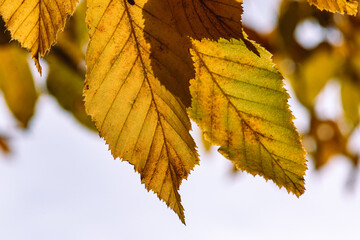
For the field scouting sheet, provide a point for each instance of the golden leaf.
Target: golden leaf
(340, 6)
(66, 85)
(308, 81)
(142, 122)
(168, 26)
(4, 146)
(350, 99)
(329, 141)
(240, 103)
(35, 23)
(16, 83)
(206, 143)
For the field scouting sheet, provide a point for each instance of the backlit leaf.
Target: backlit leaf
(340, 6)
(35, 23)
(329, 141)
(350, 98)
(167, 27)
(66, 85)
(206, 143)
(240, 103)
(142, 122)
(16, 83)
(4, 147)
(74, 37)
(79, 25)
(308, 81)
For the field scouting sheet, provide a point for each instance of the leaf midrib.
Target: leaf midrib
(243, 120)
(152, 95)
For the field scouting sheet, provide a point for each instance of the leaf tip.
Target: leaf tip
(37, 63)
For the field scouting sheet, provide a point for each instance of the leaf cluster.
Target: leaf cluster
(334, 60)
(153, 65)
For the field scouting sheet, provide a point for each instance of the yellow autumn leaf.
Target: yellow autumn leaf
(206, 143)
(350, 99)
(330, 141)
(142, 122)
(75, 36)
(4, 146)
(16, 83)
(167, 26)
(210, 19)
(66, 85)
(308, 81)
(195, 19)
(79, 27)
(337, 6)
(35, 23)
(240, 103)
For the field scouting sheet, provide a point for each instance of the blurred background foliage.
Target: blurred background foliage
(65, 77)
(313, 49)
(332, 55)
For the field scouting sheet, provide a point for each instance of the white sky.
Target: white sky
(61, 183)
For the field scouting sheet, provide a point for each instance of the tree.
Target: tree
(150, 65)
